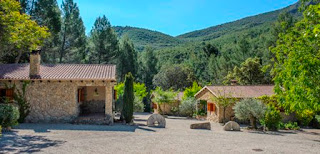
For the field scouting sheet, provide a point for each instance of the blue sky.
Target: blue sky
(173, 17)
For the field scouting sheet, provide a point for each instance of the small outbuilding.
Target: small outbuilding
(214, 112)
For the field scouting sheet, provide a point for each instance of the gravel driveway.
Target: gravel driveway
(176, 138)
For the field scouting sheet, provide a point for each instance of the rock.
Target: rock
(156, 118)
(206, 125)
(231, 126)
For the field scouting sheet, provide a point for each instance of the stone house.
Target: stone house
(214, 112)
(167, 108)
(61, 92)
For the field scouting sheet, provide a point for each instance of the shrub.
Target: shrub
(0, 130)
(160, 96)
(9, 115)
(174, 110)
(138, 105)
(317, 118)
(290, 126)
(272, 118)
(188, 107)
(250, 109)
(140, 92)
(20, 99)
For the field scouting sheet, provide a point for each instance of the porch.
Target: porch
(94, 105)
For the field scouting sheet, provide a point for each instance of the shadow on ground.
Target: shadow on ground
(11, 142)
(45, 128)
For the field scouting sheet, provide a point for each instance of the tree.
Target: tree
(18, 33)
(297, 66)
(72, 35)
(105, 41)
(128, 98)
(191, 91)
(47, 13)
(250, 109)
(244, 47)
(174, 76)
(249, 73)
(223, 100)
(127, 58)
(149, 67)
(210, 49)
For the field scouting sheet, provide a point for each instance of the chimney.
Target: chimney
(35, 59)
(234, 82)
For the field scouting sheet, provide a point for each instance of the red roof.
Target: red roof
(240, 91)
(60, 72)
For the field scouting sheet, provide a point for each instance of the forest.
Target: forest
(251, 50)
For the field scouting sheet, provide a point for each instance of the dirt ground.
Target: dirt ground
(177, 137)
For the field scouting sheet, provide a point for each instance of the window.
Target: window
(6, 94)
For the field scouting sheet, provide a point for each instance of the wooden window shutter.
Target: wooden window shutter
(9, 94)
(213, 107)
(79, 94)
(209, 106)
(115, 94)
(82, 95)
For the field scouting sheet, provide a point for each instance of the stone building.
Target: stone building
(167, 108)
(214, 112)
(61, 92)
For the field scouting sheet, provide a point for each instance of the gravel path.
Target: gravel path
(176, 138)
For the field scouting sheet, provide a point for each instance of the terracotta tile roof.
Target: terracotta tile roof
(240, 91)
(59, 72)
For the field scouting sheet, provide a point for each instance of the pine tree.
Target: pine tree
(149, 67)
(47, 13)
(127, 58)
(104, 40)
(72, 35)
(128, 98)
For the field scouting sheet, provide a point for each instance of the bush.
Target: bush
(188, 107)
(250, 109)
(272, 118)
(20, 99)
(138, 105)
(9, 115)
(290, 126)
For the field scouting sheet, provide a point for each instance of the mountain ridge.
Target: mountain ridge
(142, 37)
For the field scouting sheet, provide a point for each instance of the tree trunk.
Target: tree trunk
(224, 115)
(18, 57)
(253, 121)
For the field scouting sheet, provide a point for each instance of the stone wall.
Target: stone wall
(54, 101)
(90, 93)
(166, 108)
(94, 106)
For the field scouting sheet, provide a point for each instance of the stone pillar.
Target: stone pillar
(109, 99)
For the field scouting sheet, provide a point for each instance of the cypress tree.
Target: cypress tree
(128, 98)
